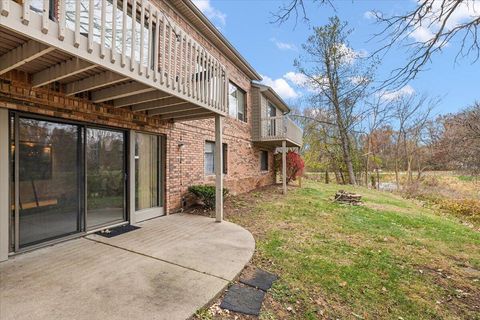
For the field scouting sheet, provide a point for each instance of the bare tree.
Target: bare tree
(295, 9)
(411, 113)
(339, 78)
(378, 115)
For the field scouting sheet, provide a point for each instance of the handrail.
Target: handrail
(141, 38)
(280, 128)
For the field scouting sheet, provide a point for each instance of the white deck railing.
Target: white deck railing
(280, 128)
(148, 44)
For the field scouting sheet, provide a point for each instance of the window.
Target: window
(210, 158)
(236, 102)
(264, 160)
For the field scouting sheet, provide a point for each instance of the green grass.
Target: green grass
(466, 178)
(375, 261)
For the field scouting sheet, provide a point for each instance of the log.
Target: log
(348, 198)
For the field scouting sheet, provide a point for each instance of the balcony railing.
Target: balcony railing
(280, 128)
(133, 38)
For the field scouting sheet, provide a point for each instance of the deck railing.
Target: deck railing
(280, 128)
(138, 36)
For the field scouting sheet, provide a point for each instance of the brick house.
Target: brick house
(106, 119)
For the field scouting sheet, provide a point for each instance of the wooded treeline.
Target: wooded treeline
(354, 130)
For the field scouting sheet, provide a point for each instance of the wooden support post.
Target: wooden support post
(218, 168)
(284, 166)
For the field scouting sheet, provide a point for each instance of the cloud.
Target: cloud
(349, 55)
(283, 45)
(421, 34)
(396, 94)
(281, 86)
(297, 78)
(302, 81)
(212, 13)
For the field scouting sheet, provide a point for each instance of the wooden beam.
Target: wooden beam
(140, 98)
(94, 82)
(27, 52)
(60, 71)
(194, 117)
(218, 168)
(168, 102)
(185, 114)
(284, 166)
(173, 109)
(120, 91)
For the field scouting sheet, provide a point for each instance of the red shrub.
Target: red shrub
(295, 166)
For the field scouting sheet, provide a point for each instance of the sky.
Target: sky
(272, 48)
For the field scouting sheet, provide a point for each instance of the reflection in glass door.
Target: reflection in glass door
(105, 167)
(48, 180)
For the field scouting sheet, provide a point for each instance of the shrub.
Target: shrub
(206, 194)
(295, 165)
(462, 207)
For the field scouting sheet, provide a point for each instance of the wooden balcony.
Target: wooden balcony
(128, 54)
(274, 130)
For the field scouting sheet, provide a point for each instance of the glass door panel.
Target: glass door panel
(105, 165)
(147, 169)
(48, 180)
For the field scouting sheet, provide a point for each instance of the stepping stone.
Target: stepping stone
(110, 233)
(244, 300)
(259, 279)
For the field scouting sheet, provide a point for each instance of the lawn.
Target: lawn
(390, 258)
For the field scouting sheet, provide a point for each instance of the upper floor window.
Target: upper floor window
(271, 110)
(236, 102)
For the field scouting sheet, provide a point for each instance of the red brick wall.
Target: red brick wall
(184, 166)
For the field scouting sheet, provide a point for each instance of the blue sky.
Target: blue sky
(272, 48)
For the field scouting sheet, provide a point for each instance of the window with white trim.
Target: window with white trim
(209, 158)
(236, 102)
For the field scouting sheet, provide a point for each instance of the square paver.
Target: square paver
(260, 279)
(244, 300)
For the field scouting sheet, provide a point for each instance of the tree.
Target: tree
(460, 140)
(339, 79)
(411, 113)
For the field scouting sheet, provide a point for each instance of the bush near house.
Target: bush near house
(295, 165)
(206, 194)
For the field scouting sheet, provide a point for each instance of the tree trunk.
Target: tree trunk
(397, 178)
(367, 162)
(378, 179)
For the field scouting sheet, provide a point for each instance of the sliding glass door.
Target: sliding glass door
(48, 177)
(67, 178)
(105, 165)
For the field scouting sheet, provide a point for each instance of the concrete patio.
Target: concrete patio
(168, 269)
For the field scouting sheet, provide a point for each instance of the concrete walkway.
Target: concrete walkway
(168, 269)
